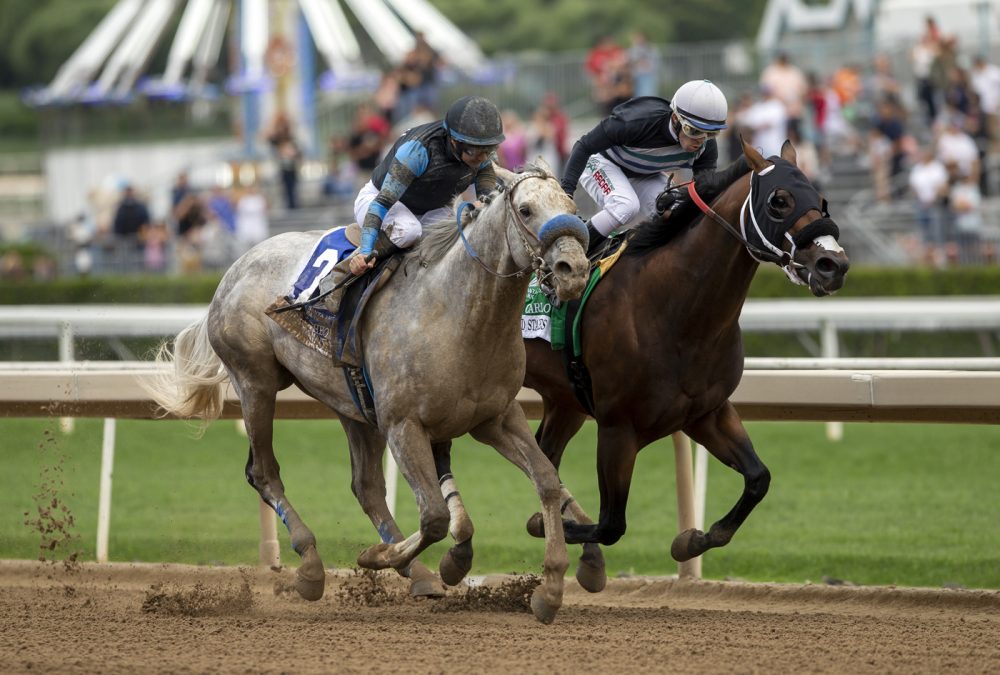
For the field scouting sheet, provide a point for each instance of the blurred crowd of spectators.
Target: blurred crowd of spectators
(931, 153)
(925, 141)
(206, 229)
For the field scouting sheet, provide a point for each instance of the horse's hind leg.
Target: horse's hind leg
(412, 451)
(457, 561)
(511, 436)
(368, 484)
(722, 434)
(557, 428)
(263, 474)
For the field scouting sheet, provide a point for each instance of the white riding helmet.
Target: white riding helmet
(701, 104)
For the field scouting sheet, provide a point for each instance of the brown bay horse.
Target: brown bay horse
(661, 341)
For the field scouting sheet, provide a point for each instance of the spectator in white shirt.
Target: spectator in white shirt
(929, 183)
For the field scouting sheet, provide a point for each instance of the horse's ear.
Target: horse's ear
(503, 174)
(543, 165)
(788, 152)
(754, 158)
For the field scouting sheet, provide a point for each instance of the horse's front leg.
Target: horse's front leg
(558, 426)
(411, 449)
(367, 446)
(511, 436)
(723, 435)
(263, 474)
(457, 561)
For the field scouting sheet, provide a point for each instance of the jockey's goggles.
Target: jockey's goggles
(696, 134)
(478, 150)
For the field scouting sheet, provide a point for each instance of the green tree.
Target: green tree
(38, 36)
(554, 25)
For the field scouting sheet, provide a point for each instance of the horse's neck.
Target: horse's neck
(713, 264)
(488, 294)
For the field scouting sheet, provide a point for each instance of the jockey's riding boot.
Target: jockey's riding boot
(337, 281)
(598, 242)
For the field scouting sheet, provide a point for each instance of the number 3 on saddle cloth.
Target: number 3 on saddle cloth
(559, 325)
(303, 313)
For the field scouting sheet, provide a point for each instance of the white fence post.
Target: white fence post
(104, 496)
(391, 481)
(830, 345)
(685, 500)
(270, 550)
(66, 355)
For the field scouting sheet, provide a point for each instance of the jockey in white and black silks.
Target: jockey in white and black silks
(623, 163)
(424, 171)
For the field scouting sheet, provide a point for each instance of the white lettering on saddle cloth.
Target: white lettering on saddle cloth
(535, 322)
(329, 250)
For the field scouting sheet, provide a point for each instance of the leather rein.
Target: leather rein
(785, 260)
(536, 260)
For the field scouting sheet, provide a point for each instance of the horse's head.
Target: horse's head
(786, 217)
(543, 218)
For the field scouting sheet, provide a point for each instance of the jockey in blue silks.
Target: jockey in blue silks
(419, 177)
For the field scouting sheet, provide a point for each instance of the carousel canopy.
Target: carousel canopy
(110, 64)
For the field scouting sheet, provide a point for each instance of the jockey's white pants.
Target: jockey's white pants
(406, 227)
(623, 202)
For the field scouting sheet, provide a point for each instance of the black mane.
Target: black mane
(653, 233)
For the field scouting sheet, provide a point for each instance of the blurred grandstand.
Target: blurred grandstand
(41, 198)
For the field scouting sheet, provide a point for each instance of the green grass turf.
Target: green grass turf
(890, 504)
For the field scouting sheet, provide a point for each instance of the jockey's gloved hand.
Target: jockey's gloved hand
(669, 199)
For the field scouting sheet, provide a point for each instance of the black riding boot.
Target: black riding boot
(339, 276)
(598, 242)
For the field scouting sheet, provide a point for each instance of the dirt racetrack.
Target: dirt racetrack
(121, 618)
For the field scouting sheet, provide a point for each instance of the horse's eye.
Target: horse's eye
(779, 204)
(524, 211)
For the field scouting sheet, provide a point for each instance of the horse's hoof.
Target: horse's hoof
(426, 588)
(456, 563)
(540, 607)
(423, 583)
(590, 573)
(375, 557)
(310, 578)
(536, 526)
(680, 549)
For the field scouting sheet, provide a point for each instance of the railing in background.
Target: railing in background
(111, 390)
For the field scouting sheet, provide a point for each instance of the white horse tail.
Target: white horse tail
(192, 386)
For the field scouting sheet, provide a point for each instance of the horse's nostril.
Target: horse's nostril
(829, 267)
(563, 268)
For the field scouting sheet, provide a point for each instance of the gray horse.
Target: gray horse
(444, 357)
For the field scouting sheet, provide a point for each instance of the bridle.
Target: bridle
(749, 223)
(523, 232)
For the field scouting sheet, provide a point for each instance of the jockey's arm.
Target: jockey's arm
(410, 161)
(486, 179)
(592, 142)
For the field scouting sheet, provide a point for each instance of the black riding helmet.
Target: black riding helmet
(474, 120)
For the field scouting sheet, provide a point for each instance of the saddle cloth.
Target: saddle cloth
(542, 319)
(313, 325)
(332, 247)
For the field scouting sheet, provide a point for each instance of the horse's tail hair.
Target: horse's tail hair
(192, 386)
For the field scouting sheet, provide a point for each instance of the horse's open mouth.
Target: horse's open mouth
(818, 286)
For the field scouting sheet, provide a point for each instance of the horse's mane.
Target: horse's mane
(653, 232)
(438, 237)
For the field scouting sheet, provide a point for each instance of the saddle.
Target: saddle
(334, 335)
